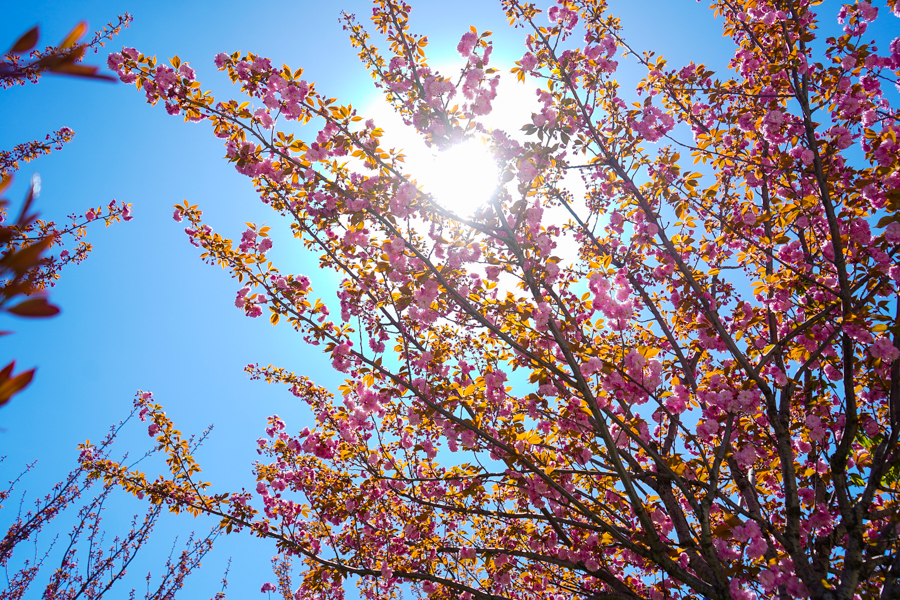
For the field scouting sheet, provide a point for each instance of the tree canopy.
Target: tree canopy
(702, 401)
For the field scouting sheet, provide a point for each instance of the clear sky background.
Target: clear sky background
(143, 312)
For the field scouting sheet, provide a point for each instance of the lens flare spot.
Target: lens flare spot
(460, 178)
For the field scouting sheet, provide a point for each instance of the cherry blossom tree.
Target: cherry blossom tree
(701, 401)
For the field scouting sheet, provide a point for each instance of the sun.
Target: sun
(461, 178)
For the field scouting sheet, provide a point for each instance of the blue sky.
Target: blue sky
(143, 312)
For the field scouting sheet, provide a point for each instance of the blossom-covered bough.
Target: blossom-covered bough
(24, 269)
(23, 64)
(86, 563)
(713, 406)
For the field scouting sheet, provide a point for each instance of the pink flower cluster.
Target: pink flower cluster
(617, 309)
(168, 84)
(565, 17)
(653, 125)
(478, 86)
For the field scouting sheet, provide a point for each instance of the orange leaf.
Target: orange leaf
(74, 35)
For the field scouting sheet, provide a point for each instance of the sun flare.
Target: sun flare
(461, 178)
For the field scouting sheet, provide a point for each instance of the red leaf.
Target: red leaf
(26, 42)
(7, 370)
(13, 386)
(80, 71)
(27, 257)
(35, 307)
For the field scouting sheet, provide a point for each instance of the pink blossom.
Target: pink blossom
(894, 273)
(565, 17)
(240, 300)
(403, 199)
(654, 124)
(885, 152)
(527, 171)
(608, 44)
(115, 61)
(767, 579)
(867, 11)
(268, 587)
(165, 77)
(261, 65)
(746, 456)
(892, 233)
(248, 240)
(153, 429)
(884, 349)
(805, 155)
(265, 119)
(751, 534)
(186, 71)
(796, 588)
(843, 137)
(271, 102)
(746, 121)
(528, 62)
(177, 216)
(295, 92)
(817, 431)
(316, 152)
(265, 245)
(467, 44)
(739, 592)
